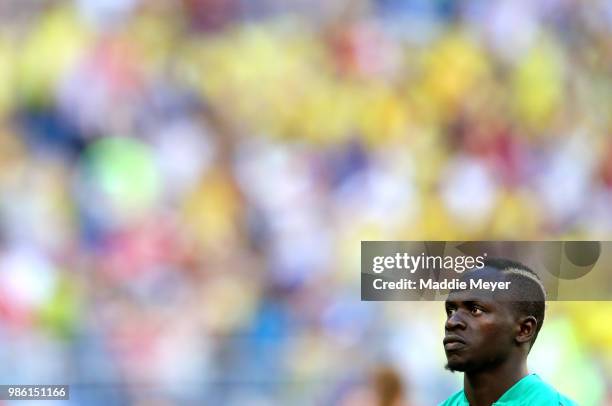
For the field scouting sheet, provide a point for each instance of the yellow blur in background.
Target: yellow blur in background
(184, 187)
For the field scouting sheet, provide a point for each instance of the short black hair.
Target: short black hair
(527, 290)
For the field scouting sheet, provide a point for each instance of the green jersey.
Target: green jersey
(529, 391)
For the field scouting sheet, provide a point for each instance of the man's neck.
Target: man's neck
(483, 388)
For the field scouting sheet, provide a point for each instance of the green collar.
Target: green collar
(518, 390)
(516, 393)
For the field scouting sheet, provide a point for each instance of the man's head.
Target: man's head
(485, 328)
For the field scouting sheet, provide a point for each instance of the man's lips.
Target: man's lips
(453, 342)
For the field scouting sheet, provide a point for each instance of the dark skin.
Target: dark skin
(487, 340)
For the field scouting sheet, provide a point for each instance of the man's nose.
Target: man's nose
(455, 321)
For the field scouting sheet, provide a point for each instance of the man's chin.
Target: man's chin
(455, 366)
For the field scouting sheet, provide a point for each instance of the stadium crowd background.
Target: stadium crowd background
(184, 186)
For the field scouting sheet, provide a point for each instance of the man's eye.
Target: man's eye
(476, 311)
(450, 312)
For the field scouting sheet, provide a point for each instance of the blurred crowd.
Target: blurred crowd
(184, 186)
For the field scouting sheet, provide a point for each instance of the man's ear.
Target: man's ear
(527, 329)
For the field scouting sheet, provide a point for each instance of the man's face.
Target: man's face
(479, 329)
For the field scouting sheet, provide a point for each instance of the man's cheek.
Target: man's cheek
(497, 337)
(488, 325)
(489, 332)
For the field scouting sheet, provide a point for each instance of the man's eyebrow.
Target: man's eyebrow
(468, 302)
(479, 302)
